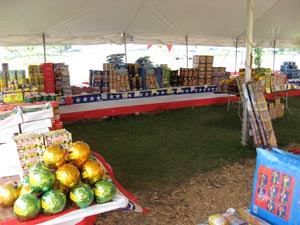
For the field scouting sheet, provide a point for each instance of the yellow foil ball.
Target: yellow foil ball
(92, 171)
(54, 156)
(78, 153)
(25, 190)
(9, 192)
(67, 175)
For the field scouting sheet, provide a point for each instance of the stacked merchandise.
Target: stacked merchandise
(152, 77)
(166, 76)
(218, 75)
(118, 73)
(60, 137)
(134, 77)
(95, 80)
(66, 85)
(259, 118)
(9, 124)
(204, 65)
(36, 118)
(30, 148)
(62, 79)
(56, 122)
(11, 84)
(122, 80)
(189, 76)
(276, 108)
(48, 72)
(175, 79)
(278, 82)
(291, 69)
(36, 77)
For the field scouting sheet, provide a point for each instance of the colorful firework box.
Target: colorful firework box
(276, 187)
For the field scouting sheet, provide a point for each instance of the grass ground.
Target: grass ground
(167, 147)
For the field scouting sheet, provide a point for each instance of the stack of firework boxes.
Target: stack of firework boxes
(118, 78)
(57, 78)
(10, 83)
(204, 64)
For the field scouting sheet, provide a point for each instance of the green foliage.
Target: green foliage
(258, 54)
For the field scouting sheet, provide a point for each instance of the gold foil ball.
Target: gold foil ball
(25, 190)
(54, 156)
(67, 175)
(92, 171)
(79, 152)
(9, 192)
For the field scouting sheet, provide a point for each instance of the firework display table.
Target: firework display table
(90, 106)
(86, 216)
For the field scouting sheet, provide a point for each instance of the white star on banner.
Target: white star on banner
(92, 98)
(85, 99)
(77, 100)
(98, 98)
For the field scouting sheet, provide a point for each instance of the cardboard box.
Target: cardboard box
(202, 67)
(272, 113)
(201, 75)
(10, 118)
(202, 59)
(210, 59)
(36, 126)
(36, 112)
(209, 67)
(277, 101)
(271, 105)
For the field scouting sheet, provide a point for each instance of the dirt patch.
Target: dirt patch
(193, 201)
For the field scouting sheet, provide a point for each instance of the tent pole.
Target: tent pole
(44, 46)
(125, 47)
(236, 51)
(249, 45)
(274, 54)
(187, 51)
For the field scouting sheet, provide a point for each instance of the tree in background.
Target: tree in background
(258, 54)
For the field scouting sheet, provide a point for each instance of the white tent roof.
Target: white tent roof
(205, 22)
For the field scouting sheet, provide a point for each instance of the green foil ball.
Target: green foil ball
(53, 201)
(27, 207)
(104, 190)
(24, 181)
(82, 195)
(41, 178)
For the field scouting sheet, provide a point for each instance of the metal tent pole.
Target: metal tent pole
(236, 51)
(187, 51)
(44, 46)
(249, 45)
(274, 54)
(125, 46)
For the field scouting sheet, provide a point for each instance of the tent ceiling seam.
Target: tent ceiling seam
(262, 16)
(135, 15)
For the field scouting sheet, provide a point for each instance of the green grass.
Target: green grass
(165, 148)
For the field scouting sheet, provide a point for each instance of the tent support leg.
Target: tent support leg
(187, 51)
(274, 54)
(125, 46)
(249, 45)
(44, 46)
(236, 51)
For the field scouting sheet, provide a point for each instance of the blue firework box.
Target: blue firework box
(276, 187)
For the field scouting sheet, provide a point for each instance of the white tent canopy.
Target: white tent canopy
(209, 22)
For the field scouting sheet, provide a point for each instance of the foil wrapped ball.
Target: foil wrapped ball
(104, 190)
(82, 195)
(54, 156)
(53, 201)
(25, 190)
(78, 153)
(92, 171)
(67, 175)
(27, 207)
(41, 178)
(24, 181)
(9, 192)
